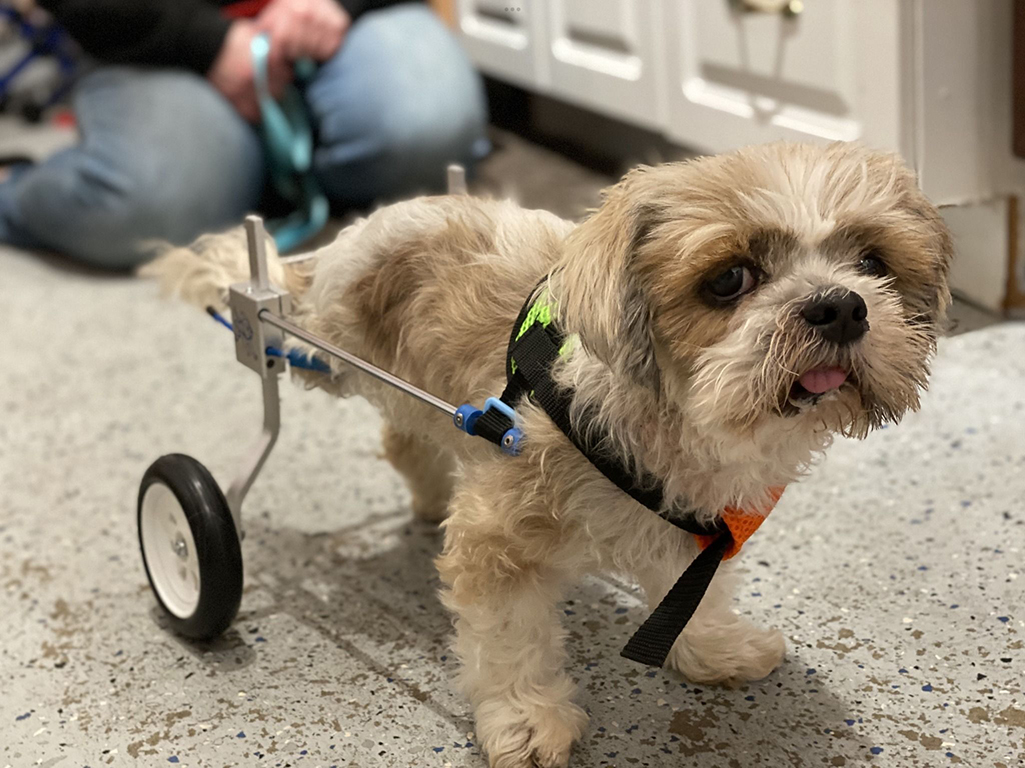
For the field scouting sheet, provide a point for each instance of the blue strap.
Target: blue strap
(296, 357)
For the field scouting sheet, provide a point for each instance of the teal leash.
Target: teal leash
(287, 140)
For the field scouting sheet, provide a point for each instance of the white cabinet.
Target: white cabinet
(605, 54)
(506, 39)
(739, 76)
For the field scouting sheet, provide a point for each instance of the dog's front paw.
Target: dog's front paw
(730, 653)
(513, 738)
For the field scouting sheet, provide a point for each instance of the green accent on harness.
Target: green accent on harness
(541, 312)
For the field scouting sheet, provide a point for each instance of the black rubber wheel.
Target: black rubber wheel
(190, 547)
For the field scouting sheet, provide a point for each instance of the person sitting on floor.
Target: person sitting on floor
(168, 146)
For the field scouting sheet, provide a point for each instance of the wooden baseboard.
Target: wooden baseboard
(1014, 297)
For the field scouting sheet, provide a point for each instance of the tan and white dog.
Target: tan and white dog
(734, 313)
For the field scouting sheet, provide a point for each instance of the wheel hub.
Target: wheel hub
(170, 550)
(180, 547)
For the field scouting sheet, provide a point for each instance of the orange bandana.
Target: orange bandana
(742, 523)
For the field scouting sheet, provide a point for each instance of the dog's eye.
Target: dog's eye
(734, 282)
(872, 264)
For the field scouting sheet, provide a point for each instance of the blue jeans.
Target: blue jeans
(164, 157)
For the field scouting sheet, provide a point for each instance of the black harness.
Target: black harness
(534, 346)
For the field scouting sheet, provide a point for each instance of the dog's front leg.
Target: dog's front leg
(511, 646)
(717, 645)
(427, 469)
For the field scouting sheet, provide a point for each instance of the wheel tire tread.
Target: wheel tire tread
(215, 538)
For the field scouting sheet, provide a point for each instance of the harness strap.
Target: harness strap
(654, 639)
(492, 424)
(535, 352)
(534, 346)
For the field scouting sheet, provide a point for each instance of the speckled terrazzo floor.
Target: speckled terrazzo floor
(894, 571)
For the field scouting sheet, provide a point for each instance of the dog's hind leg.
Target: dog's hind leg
(717, 645)
(427, 469)
(509, 638)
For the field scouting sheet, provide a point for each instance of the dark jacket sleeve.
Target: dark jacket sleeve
(356, 8)
(169, 33)
(166, 33)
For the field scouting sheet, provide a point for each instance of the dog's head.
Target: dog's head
(788, 282)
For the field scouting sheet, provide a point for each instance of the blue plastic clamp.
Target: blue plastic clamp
(510, 444)
(500, 406)
(465, 417)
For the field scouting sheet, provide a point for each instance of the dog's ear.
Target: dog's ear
(598, 289)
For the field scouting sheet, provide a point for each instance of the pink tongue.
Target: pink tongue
(819, 380)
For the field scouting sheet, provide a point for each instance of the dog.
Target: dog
(732, 315)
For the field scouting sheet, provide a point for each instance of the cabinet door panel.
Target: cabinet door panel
(606, 55)
(832, 72)
(505, 38)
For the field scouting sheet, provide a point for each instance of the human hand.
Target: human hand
(303, 28)
(232, 70)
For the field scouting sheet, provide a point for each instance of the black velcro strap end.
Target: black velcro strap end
(654, 639)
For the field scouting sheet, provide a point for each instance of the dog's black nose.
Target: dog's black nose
(841, 318)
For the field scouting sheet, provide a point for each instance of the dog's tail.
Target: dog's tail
(202, 272)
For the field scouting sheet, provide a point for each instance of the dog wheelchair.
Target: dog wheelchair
(189, 530)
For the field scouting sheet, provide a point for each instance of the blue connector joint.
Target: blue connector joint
(465, 418)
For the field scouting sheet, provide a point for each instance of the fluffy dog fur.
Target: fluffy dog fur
(695, 391)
